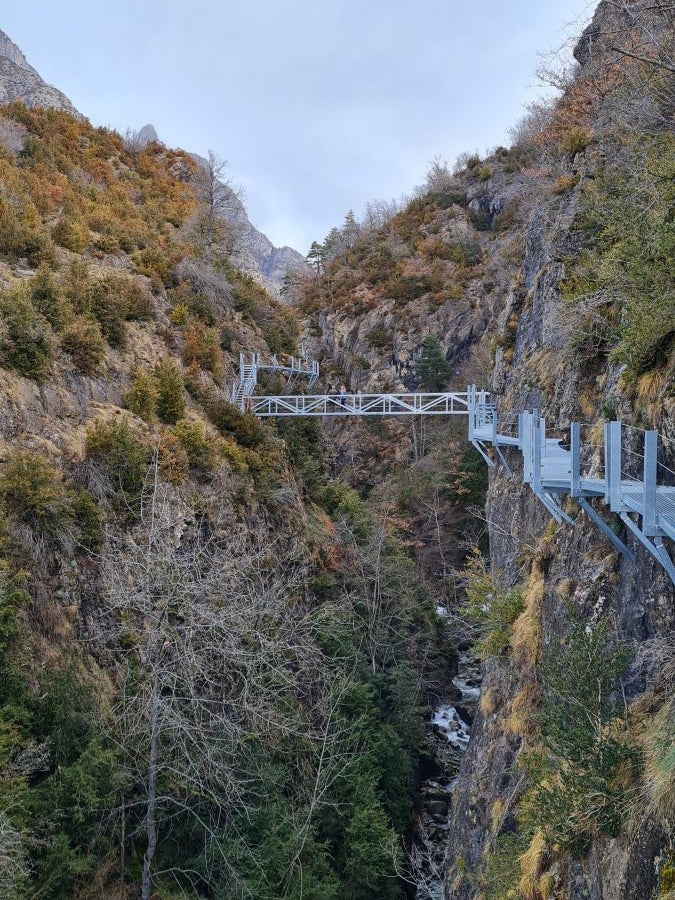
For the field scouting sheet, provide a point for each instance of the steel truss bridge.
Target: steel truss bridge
(551, 466)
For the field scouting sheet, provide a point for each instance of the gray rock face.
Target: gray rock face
(20, 81)
(257, 254)
(147, 135)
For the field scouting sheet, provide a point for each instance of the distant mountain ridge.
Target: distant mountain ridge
(20, 81)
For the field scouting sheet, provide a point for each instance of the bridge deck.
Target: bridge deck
(438, 404)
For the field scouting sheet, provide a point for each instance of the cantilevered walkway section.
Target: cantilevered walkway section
(642, 498)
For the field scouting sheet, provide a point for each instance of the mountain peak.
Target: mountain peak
(20, 81)
(9, 50)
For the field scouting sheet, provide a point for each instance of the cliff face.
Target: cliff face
(544, 362)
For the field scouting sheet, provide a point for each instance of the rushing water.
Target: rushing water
(447, 733)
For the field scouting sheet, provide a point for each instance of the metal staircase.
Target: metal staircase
(250, 364)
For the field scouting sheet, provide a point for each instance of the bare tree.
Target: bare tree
(218, 225)
(214, 640)
(13, 868)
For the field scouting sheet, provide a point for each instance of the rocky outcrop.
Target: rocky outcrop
(256, 253)
(20, 81)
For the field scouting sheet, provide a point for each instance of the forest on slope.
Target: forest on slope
(219, 636)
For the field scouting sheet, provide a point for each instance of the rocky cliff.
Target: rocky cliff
(20, 81)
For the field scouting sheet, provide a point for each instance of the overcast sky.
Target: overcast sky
(318, 105)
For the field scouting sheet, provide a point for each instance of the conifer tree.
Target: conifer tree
(316, 257)
(170, 392)
(433, 369)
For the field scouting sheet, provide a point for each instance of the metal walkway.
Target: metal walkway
(446, 404)
(645, 506)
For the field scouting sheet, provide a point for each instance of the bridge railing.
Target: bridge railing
(428, 404)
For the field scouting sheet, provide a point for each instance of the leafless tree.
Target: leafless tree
(13, 868)
(379, 213)
(215, 637)
(218, 225)
(438, 177)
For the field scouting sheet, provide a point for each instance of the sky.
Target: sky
(317, 106)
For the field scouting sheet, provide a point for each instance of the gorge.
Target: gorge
(336, 658)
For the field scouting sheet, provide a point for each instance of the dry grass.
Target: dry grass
(657, 788)
(588, 402)
(650, 394)
(520, 720)
(531, 863)
(489, 701)
(526, 637)
(547, 367)
(497, 814)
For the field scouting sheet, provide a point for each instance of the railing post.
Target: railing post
(613, 466)
(575, 440)
(536, 458)
(649, 479)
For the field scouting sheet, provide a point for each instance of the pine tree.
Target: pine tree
(433, 369)
(316, 257)
(170, 392)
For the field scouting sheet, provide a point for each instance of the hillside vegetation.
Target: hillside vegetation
(207, 640)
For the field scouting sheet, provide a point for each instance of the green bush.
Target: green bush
(72, 233)
(229, 419)
(122, 459)
(48, 300)
(201, 345)
(170, 392)
(583, 775)
(83, 341)
(380, 338)
(34, 493)
(179, 315)
(305, 442)
(196, 444)
(25, 337)
(343, 503)
(433, 369)
(141, 396)
(574, 140)
(108, 306)
(626, 219)
(20, 233)
(492, 610)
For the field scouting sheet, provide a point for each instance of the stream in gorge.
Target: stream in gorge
(447, 734)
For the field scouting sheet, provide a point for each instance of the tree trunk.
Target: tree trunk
(151, 813)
